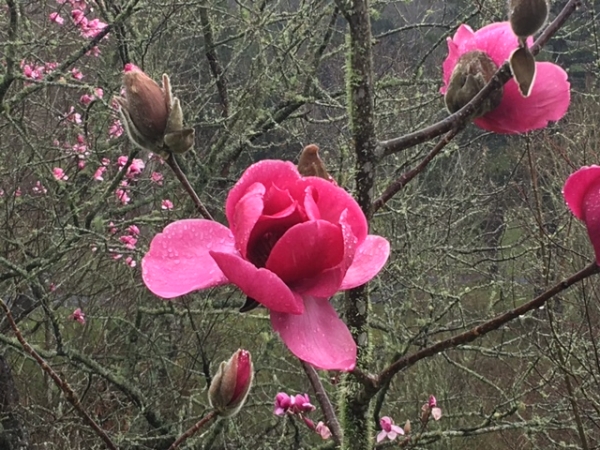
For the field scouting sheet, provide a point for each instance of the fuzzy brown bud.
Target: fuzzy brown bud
(522, 66)
(527, 17)
(472, 72)
(231, 384)
(311, 165)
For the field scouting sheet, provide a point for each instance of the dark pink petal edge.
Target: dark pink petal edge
(178, 261)
(577, 186)
(260, 284)
(318, 336)
(369, 259)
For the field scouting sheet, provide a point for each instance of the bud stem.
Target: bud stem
(189, 433)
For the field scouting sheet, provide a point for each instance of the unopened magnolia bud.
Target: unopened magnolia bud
(527, 17)
(311, 165)
(407, 427)
(145, 103)
(522, 65)
(231, 384)
(472, 72)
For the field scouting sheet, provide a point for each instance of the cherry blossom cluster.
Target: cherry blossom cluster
(128, 239)
(299, 405)
(88, 28)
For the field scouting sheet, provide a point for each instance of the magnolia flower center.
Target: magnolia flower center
(260, 250)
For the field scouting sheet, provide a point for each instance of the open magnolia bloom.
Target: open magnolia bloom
(291, 244)
(549, 97)
(582, 194)
(151, 115)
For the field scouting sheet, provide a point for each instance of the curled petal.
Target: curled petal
(247, 212)
(369, 259)
(577, 186)
(260, 284)
(333, 201)
(318, 336)
(178, 261)
(268, 173)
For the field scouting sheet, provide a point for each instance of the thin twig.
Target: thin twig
(188, 188)
(406, 177)
(330, 417)
(464, 114)
(70, 395)
(189, 433)
(484, 328)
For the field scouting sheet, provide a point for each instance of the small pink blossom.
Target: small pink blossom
(116, 129)
(86, 99)
(112, 228)
(92, 28)
(105, 161)
(323, 430)
(73, 116)
(59, 174)
(294, 404)
(122, 161)
(136, 168)
(50, 66)
(76, 73)
(157, 178)
(130, 67)
(78, 316)
(17, 192)
(388, 429)
(52, 287)
(56, 18)
(81, 164)
(550, 95)
(166, 204)
(129, 242)
(99, 92)
(130, 262)
(98, 174)
(117, 256)
(39, 188)
(133, 230)
(94, 51)
(122, 196)
(78, 17)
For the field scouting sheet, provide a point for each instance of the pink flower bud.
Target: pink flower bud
(231, 384)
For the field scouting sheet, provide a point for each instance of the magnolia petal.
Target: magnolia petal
(178, 261)
(582, 194)
(577, 186)
(548, 101)
(318, 336)
(370, 257)
(332, 201)
(260, 284)
(247, 212)
(267, 173)
(305, 250)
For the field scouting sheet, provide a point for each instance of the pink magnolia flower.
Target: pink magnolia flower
(112, 228)
(550, 95)
(76, 73)
(73, 116)
(81, 164)
(56, 18)
(292, 243)
(582, 194)
(86, 99)
(282, 403)
(166, 204)
(136, 168)
(94, 51)
(388, 429)
(59, 174)
(78, 316)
